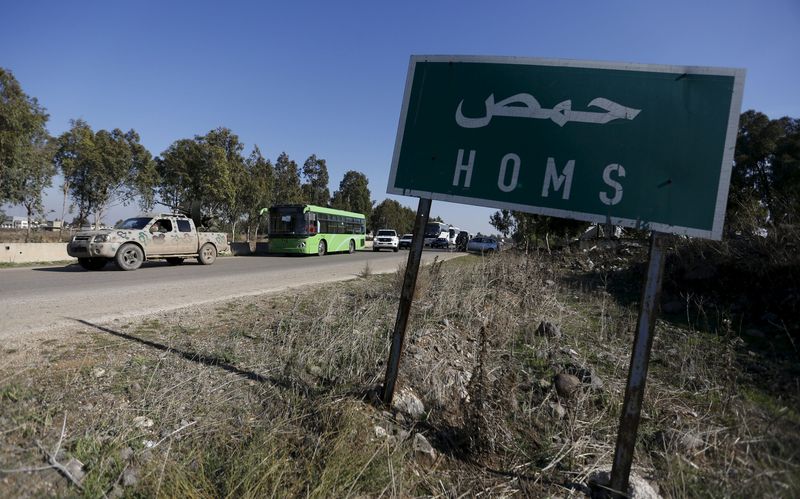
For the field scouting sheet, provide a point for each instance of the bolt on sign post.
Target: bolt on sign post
(635, 145)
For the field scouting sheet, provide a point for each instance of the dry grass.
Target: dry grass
(272, 396)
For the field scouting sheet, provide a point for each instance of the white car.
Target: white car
(386, 239)
(406, 240)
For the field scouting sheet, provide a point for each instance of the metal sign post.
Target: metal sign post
(637, 145)
(637, 373)
(406, 297)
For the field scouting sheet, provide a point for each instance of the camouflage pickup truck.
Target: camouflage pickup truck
(166, 236)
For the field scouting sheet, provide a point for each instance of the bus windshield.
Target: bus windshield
(434, 229)
(286, 220)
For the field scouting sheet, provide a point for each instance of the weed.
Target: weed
(265, 396)
(366, 271)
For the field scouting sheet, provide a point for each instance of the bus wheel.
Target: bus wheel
(322, 248)
(352, 247)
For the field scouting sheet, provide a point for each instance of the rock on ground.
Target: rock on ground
(423, 450)
(407, 402)
(638, 487)
(567, 384)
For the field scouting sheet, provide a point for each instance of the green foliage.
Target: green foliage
(502, 221)
(786, 173)
(255, 190)
(37, 176)
(203, 172)
(225, 151)
(315, 188)
(25, 168)
(353, 194)
(390, 214)
(103, 168)
(529, 229)
(287, 181)
(765, 180)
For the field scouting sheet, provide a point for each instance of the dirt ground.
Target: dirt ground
(277, 395)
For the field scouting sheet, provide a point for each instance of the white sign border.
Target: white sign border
(715, 233)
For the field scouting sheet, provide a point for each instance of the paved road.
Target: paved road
(41, 298)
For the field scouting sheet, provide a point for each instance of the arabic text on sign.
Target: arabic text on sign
(526, 106)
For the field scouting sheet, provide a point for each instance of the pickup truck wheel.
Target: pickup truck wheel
(129, 257)
(352, 247)
(322, 248)
(176, 260)
(208, 253)
(92, 263)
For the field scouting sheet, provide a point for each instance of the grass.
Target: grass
(275, 395)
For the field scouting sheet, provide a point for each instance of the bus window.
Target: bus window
(286, 220)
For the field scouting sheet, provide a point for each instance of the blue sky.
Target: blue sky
(327, 78)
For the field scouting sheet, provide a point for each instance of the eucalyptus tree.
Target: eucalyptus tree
(503, 221)
(287, 181)
(25, 154)
(256, 189)
(202, 173)
(766, 173)
(353, 193)
(528, 229)
(226, 149)
(390, 214)
(315, 188)
(104, 168)
(39, 172)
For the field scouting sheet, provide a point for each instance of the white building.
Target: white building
(14, 223)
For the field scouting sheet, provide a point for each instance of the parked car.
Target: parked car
(405, 241)
(441, 242)
(386, 239)
(483, 245)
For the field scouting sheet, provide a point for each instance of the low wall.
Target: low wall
(57, 252)
(247, 249)
(33, 252)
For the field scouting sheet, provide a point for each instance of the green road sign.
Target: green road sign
(635, 145)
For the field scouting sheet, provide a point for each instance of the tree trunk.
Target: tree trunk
(28, 232)
(63, 211)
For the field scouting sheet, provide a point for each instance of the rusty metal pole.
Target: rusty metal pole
(637, 372)
(406, 297)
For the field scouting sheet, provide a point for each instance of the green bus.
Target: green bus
(308, 229)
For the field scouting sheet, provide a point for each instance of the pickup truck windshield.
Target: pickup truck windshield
(385, 233)
(134, 223)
